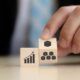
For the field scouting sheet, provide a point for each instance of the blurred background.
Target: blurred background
(22, 21)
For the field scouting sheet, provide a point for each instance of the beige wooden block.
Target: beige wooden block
(48, 44)
(47, 56)
(48, 51)
(29, 57)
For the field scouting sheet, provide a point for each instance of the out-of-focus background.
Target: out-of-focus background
(22, 21)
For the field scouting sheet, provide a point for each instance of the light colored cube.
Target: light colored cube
(29, 57)
(48, 51)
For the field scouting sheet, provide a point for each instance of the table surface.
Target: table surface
(10, 70)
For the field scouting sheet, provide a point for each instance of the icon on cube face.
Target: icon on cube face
(45, 53)
(42, 57)
(48, 56)
(47, 43)
(30, 58)
(53, 57)
(51, 53)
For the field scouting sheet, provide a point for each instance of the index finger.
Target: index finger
(56, 22)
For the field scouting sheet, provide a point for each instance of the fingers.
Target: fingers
(69, 40)
(56, 21)
(63, 51)
(76, 42)
(69, 29)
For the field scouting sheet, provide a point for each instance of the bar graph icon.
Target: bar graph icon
(30, 59)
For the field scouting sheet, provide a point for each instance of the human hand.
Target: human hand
(69, 40)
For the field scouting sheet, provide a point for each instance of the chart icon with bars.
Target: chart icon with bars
(29, 57)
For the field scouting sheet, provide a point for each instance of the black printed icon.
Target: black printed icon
(47, 43)
(53, 57)
(30, 58)
(48, 56)
(51, 53)
(43, 58)
(45, 53)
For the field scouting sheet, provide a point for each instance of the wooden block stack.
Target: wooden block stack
(45, 54)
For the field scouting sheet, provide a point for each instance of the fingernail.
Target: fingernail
(63, 43)
(45, 34)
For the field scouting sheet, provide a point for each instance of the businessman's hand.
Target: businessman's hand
(69, 40)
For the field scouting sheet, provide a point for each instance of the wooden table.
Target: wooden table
(10, 70)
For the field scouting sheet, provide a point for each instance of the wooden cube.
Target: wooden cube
(29, 57)
(48, 51)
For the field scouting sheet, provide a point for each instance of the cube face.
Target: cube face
(29, 57)
(48, 44)
(47, 56)
(48, 51)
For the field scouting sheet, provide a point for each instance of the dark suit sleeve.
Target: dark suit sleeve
(8, 10)
(68, 2)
